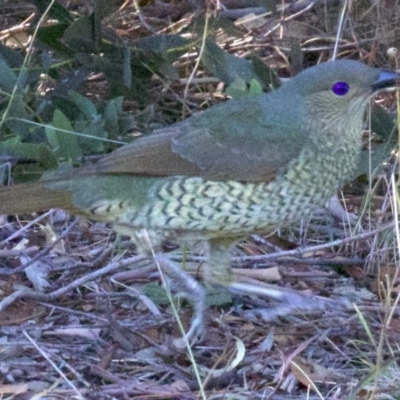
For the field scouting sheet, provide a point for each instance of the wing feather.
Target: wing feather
(240, 140)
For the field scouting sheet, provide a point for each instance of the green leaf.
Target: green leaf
(16, 112)
(61, 137)
(240, 88)
(158, 54)
(156, 293)
(296, 56)
(230, 68)
(255, 87)
(237, 88)
(8, 79)
(382, 123)
(87, 108)
(266, 76)
(216, 61)
(90, 143)
(29, 151)
(27, 172)
(51, 36)
(126, 68)
(11, 56)
(111, 116)
(80, 37)
(13, 105)
(14, 60)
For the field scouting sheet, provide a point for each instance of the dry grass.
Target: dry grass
(83, 318)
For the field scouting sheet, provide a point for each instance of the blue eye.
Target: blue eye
(340, 88)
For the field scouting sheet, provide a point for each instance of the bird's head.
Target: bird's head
(337, 92)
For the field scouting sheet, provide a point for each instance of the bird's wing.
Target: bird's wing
(241, 139)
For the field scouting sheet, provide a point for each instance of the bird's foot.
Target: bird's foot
(195, 334)
(182, 284)
(289, 301)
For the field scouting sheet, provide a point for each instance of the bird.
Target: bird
(248, 165)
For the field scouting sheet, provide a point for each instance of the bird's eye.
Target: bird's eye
(340, 88)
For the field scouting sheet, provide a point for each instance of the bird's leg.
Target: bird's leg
(181, 283)
(337, 210)
(217, 271)
(178, 281)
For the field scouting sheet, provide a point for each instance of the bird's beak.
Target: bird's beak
(386, 80)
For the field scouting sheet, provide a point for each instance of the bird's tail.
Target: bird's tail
(31, 197)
